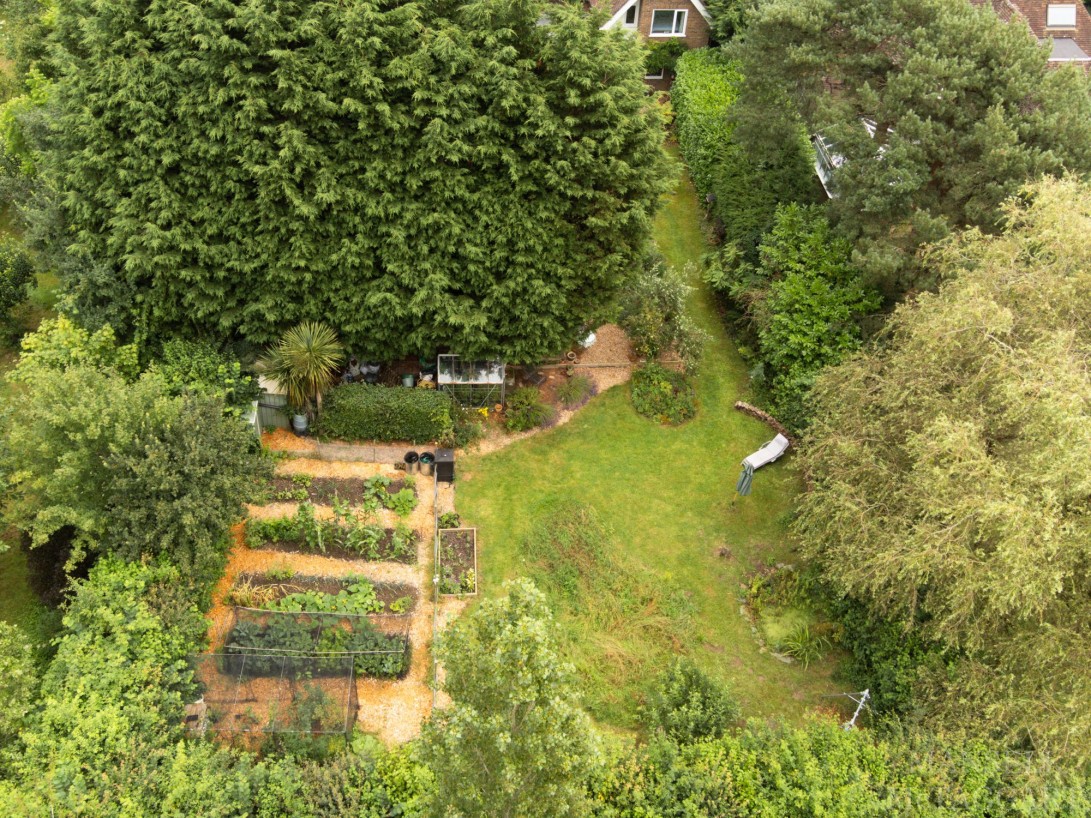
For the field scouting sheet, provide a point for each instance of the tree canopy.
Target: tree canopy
(950, 479)
(418, 175)
(515, 742)
(963, 108)
(119, 463)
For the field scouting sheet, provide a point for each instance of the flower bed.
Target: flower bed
(458, 561)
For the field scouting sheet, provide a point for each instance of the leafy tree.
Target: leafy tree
(730, 17)
(950, 476)
(691, 706)
(514, 742)
(418, 175)
(965, 110)
(111, 699)
(18, 680)
(653, 312)
(744, 170)
(121, 467)
(199, 368)
(60, 343)
(16, 275)
(820, 769)
(805, 300)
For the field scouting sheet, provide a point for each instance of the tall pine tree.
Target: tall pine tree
(460, 174)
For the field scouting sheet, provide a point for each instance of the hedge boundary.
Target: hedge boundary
(360, 412)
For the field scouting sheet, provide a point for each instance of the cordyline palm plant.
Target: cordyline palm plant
(304, 362)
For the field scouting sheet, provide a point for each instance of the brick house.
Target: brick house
(1067, 25)
(686, 21)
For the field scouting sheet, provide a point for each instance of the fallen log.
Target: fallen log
(766, 418)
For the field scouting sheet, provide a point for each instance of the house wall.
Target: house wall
(697, 30)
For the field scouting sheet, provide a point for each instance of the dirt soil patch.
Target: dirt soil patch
(458, 561)
(325, 489)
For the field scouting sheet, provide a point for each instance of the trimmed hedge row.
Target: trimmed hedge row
(703, 92)
(362, 411)
(746, 181)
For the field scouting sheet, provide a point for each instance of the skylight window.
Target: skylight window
(1061, 15)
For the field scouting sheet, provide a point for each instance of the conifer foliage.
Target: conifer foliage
(467, 174)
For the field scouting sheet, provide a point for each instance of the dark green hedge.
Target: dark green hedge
(361, 411)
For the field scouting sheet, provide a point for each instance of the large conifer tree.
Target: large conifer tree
(449, 173)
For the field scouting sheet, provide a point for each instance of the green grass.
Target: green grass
(665, 495)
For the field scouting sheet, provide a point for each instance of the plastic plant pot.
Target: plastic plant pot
(427, 464)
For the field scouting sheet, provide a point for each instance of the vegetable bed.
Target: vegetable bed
(458, 561)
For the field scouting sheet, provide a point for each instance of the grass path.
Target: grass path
(666, 495)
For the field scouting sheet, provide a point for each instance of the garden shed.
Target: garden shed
(478, 383)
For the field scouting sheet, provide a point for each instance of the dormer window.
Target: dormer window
(668, 23)
(630, 16)
(1061, 15)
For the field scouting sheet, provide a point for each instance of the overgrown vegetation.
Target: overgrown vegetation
(618, 625)
(689, 706)
(653, 313)
(199, 368)
(525, 410)
(663, 395)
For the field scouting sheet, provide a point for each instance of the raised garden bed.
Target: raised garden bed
(345, 537)
(323, 490)
(258, 590)
(386, 549)
(457, 561)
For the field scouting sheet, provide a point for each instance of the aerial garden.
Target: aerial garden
(372, 435)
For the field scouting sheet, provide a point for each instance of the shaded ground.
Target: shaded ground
(665, 495)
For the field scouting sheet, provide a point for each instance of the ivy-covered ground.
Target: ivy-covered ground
(652, 506)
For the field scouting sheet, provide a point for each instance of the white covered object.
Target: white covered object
(767, 453)
(589, 341)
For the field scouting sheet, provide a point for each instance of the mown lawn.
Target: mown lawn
(665, 495)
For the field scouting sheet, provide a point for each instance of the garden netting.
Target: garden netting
(292, 672)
